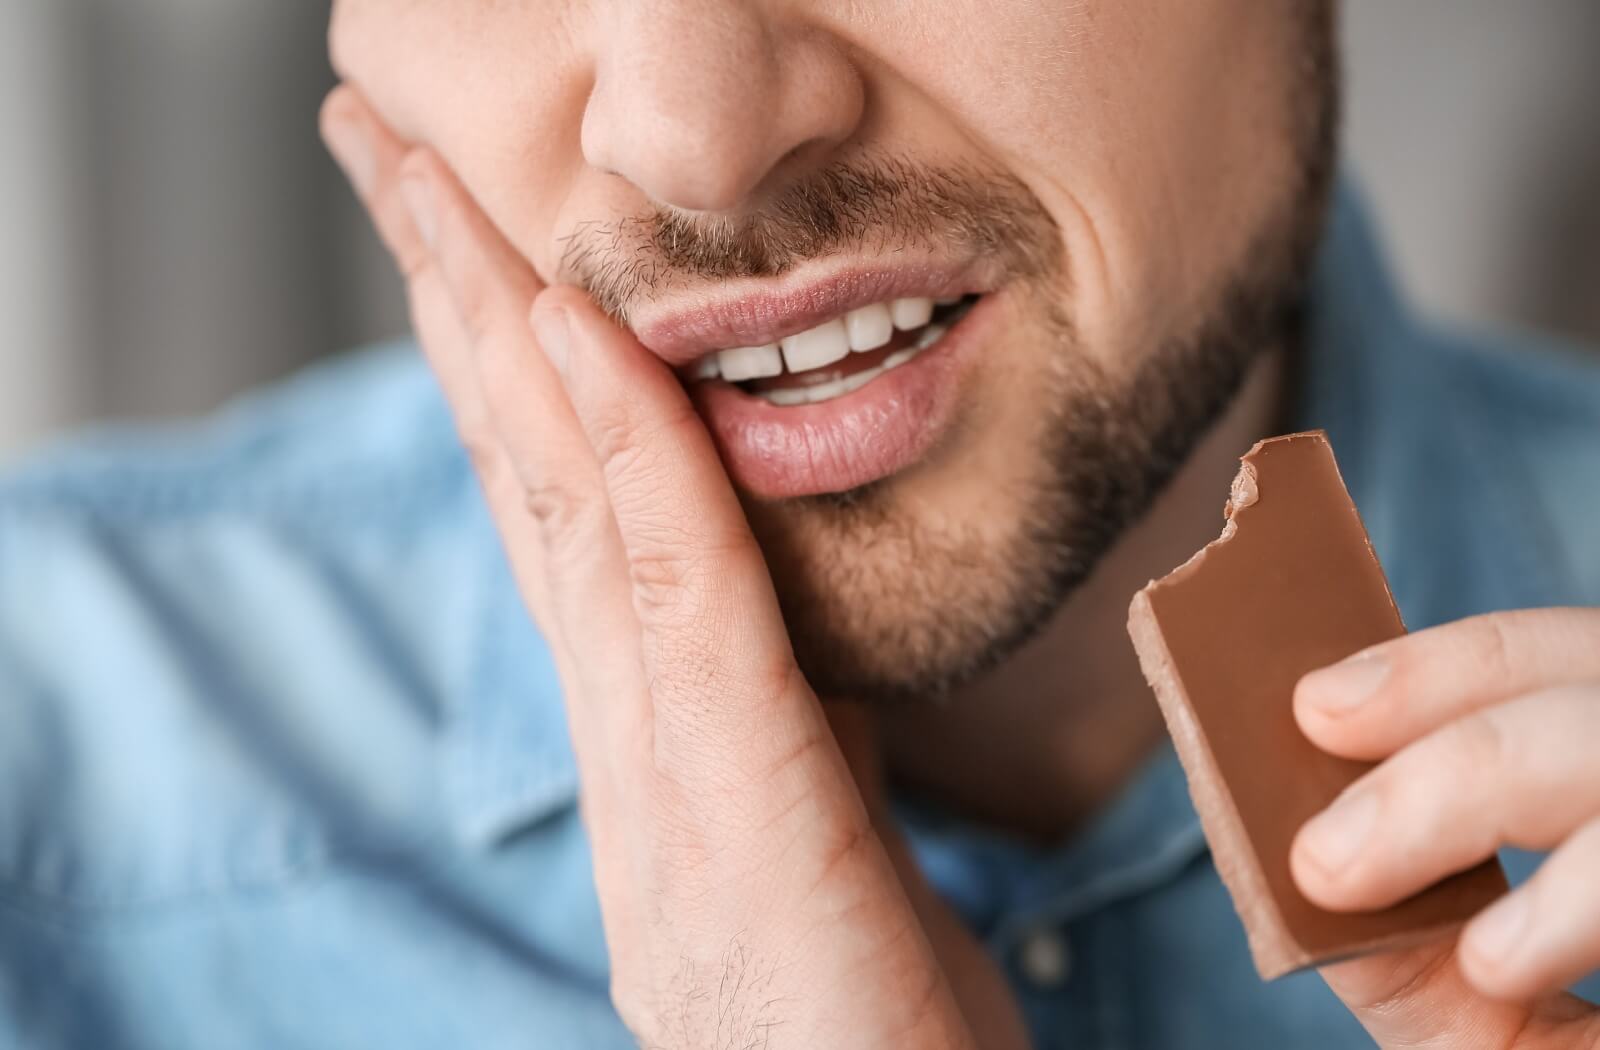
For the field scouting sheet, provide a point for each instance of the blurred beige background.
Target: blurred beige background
(173, 233)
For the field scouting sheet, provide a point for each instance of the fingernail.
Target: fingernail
(347, 141)
(1348, 684)
(418, 196)
(1495, 933)
(553, 331)
(1334, 839)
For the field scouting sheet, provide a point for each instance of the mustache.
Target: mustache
(876, 204)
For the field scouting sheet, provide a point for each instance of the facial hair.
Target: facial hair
(884, 603)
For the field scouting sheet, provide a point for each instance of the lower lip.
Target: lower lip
(779, 452)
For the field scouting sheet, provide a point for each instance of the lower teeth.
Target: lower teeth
(801, 395)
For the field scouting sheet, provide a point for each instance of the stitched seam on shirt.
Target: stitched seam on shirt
(373, 495)
(554, 784)
(72, 911)
(194, 467)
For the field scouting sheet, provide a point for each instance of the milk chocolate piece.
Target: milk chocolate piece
(1291, 585)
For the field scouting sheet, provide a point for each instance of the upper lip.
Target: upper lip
(750, 314)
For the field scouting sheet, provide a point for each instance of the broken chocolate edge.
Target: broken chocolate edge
(1273, 948)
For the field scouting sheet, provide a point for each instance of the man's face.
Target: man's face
(1122, 195)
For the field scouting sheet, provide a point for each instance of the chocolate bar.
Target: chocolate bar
(1291, 585)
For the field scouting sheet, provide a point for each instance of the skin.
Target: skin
(750, 882)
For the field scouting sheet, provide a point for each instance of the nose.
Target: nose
(702, 104)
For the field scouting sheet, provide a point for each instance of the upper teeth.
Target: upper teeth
(815, 347)
(860, 330)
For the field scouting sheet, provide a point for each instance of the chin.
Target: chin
(908, 587)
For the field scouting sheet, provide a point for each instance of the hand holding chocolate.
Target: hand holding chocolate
(1291, 585)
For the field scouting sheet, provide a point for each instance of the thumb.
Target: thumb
(1418, 997)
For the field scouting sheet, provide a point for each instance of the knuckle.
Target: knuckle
(1449, 781)
(798, 754)
(425, 288)
(483, 451)
(1494, 648)
(685, 634)
(841, 852)
(415, 266)
(1439, 777)
(633, 452)
(475, 305)
(683, 584)
(1478, 651)
(1475, 745)
(569, 521)
(666, 580)
(613, 434)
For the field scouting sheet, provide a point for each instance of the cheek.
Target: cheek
(375, 46)
(1154, 134)
(485, 86)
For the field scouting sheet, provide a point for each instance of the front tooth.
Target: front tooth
(929, 336)
(822, 345)
(750, 362)
(869, 327)
(911, 313)
(706, 368)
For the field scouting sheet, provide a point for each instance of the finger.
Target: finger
(1546, 934)
(374, 158)
(492, 289)
(726, 693)
(447, 347)
(543, 486)
(439, 327)
(463, 262)
(1520, 773)
(553, 481)
(1385, 697)
(1419, 997)
(370, 155)
(979, 987)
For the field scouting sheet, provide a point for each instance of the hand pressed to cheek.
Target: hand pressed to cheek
(469, 295)
(696, 735)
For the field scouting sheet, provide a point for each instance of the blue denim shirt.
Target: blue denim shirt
(283, 760)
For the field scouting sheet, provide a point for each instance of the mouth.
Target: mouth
(837, 357)
(831, 386)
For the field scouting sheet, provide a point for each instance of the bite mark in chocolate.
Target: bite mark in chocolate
(1291, 585)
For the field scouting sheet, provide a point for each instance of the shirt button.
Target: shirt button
(1045, 960)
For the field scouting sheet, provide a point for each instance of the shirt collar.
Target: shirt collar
(508, 762)
(507, 759)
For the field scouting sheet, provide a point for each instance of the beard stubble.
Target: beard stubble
(882, 602)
